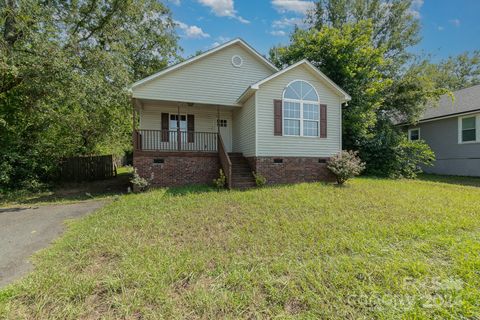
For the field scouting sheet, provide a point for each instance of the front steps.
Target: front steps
(242, 177)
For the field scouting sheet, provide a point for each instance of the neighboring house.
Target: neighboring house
(452, 130)
(231, 108)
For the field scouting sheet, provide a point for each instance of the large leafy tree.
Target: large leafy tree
(394, 23)
(64, 69)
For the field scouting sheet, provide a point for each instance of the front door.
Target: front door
(226, 133)
(174, 123)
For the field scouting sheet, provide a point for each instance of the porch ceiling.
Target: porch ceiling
(163, 103)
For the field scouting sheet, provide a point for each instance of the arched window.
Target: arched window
(301, 110)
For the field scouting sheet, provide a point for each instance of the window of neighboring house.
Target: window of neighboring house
(469, 129)
(414, 134)
(301, 110)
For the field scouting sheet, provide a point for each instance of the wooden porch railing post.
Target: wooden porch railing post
(179, 139)
(224, 160)
(134, 140)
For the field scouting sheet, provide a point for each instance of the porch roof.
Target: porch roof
(140, 102)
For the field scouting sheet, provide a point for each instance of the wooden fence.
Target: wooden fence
(87, 168)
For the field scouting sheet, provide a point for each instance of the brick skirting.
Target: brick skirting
(169, 169)
(291, 169)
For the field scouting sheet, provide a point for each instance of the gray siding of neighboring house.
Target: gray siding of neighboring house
(452, 158)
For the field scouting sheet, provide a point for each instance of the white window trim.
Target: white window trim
(477, 129)
(176, 114)
(301, 102)
(410, 134)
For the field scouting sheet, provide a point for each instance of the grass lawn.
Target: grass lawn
(373, 249)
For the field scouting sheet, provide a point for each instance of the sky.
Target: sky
(449, 27)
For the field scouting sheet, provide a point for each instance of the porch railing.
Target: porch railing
(225, 161)
(175, 140)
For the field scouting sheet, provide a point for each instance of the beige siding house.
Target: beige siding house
(231, 109)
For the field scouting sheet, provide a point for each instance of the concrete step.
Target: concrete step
(235, 154)
(245, 177)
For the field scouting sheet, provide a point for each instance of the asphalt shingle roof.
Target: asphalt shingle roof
(466, 100)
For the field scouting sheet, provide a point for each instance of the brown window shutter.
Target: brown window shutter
(277, 117)
(165, 127)
(323, 121)
(191, 127)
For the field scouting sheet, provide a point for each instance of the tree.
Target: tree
(395, 26)
(64, 69)
(456, 72)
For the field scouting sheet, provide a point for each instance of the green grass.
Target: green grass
(374, 249)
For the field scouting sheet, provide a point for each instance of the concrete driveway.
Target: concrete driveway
(26, 230)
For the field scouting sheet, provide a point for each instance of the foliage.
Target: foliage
(220, 182)
(380, 249)
(411, 91)
(345, 165)
(456, 72)
(65, 67)
(390, 154)
(395, 27)
(410, 156)
(139, 183)
(260, 180)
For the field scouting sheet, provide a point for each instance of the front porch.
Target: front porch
(179, 143)
(180, 126)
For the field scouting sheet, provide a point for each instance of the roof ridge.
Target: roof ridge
(466, 88)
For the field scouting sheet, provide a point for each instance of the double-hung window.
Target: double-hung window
(469, 129)
(414, 134)
(301, 110)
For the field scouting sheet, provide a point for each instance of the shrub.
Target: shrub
(409, 156)
(390, 154)
(139, 183)
(345, 165)
(260, 180)
(220, 182)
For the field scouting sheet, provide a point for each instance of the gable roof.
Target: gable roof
(204, 54)
(254, 87)
(466, 100)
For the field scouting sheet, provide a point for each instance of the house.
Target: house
(230, 108)
(452, 130)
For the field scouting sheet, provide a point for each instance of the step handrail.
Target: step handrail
(225, 161)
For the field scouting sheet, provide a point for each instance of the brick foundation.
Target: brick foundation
(177, 169)
(292, 169)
